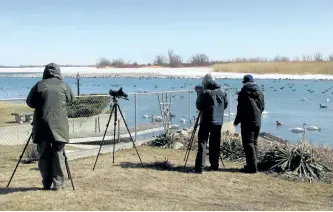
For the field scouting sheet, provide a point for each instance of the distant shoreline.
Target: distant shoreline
(155, 72)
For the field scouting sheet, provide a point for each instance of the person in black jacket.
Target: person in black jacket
(212, 102)
(250, 106)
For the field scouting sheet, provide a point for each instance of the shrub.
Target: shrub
(31, 154)
(299, 160)
(232, 148)
(165, 140)
(87, 106)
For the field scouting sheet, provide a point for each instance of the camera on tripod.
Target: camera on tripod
(118, 94)
(198, 88)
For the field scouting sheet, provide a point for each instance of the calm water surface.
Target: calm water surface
(284, 104)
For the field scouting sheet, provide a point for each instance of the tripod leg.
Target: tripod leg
(190, 144)
(189, 148)
(121, 113)
(18, 162)
(68, 170)
(222, 161)
(100, 147)
(114, 131)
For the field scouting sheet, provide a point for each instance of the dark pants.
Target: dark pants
(250, 140)
(50, 163)
(214, 134)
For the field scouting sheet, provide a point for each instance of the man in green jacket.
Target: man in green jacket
(50, 130)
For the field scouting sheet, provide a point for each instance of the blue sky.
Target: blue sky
(81, 31)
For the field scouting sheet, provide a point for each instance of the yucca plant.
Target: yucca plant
(232, 148)
(300, 160)
(165, 140)
(31, 154)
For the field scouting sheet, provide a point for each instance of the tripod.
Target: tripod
(115, 109)
(21, 156)
(190, 144)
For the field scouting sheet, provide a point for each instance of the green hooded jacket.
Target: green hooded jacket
(49, 97)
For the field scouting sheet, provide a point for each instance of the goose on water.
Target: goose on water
(278, 123)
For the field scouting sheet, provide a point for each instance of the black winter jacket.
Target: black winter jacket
(212, 102)
(250, 106)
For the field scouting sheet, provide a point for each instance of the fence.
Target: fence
(146, 114)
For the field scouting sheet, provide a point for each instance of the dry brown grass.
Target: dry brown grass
(277, 67)
(9, 107)
(126, 186)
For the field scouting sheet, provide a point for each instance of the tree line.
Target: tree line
(200, 59)
(196, 60)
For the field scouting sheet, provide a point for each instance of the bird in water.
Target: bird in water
(278, 123)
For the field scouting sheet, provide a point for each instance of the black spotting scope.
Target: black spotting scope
(118, 94)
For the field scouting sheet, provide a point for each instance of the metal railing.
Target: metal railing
(145, 113)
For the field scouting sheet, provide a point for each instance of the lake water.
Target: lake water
(284, 104)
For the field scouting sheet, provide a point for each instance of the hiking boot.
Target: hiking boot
(195, 171)
(247, 170)
(213, 169)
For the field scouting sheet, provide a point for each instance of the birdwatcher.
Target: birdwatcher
(212, 102)
(50, 124)
(250, 106)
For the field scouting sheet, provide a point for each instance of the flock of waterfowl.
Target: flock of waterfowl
(292, 88)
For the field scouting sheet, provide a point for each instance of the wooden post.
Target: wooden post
(78, 83)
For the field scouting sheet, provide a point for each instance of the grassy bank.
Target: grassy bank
(277, 67)
(9, 107)
(127, 186)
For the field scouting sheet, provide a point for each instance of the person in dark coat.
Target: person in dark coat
(212, 102)
(250, 106)
(50, 132)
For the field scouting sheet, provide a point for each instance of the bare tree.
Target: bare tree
(170, 54)
(296, 59)
(160, 60)
(199, 60)
(318, 56)
(285, 59)
(174, 60)
(277, 58)
(307, 58)
(330, 57)
(102, 63)
(119, 63)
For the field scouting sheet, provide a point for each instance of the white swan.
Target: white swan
(264, 112)
(174, 126)
(145, 116)
(232, 114)
(299, 129)
(183, 120)
(304, 99)
(313, 128)
(226, 115)
(158, 118)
